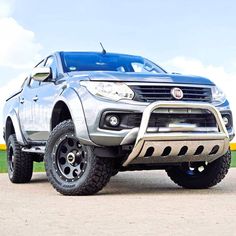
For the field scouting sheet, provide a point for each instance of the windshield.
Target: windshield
(82, 61)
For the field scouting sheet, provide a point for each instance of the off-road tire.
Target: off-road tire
(96, 175)
(212, 175)
(115, 172)
(22, 168)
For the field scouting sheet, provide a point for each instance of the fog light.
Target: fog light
(226, 120)
(113, 121)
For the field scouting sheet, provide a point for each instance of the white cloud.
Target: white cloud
(217, 74)
(18, 48)
(5, 8)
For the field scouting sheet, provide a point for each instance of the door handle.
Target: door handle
(35, 99)
(22, 100)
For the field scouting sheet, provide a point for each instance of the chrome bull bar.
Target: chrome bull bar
(179, 146)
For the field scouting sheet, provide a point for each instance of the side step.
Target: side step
(36, 149)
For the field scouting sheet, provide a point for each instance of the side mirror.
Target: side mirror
(41, 73)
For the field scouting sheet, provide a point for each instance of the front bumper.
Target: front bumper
(95, 107)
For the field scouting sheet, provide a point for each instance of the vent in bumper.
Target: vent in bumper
(163, 120)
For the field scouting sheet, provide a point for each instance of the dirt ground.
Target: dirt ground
(134, 203)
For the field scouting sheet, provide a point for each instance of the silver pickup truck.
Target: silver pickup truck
(89, 115)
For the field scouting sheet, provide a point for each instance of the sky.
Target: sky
(189, 37)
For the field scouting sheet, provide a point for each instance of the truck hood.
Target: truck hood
(141, 77)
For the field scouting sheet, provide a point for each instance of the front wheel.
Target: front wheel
(71, 167)
(200, 175)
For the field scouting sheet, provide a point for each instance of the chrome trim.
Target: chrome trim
(144, 137)
(131, 136)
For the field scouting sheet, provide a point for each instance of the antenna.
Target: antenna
(103, 49)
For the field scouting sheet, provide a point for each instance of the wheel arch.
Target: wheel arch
(9, 128)
(71, 101)
(12, 126)
(60, 113)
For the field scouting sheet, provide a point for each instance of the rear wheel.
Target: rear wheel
(200, 175)
(20, 164)
(72, 168)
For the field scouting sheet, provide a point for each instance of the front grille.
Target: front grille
(152, 93)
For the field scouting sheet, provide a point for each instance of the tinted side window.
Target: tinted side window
(52, 63)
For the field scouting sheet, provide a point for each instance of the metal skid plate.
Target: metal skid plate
(175, 147)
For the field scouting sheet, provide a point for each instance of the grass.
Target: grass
(39, 167)
(233, 162)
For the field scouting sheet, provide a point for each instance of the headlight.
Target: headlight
(218, 96)
(110, 90)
